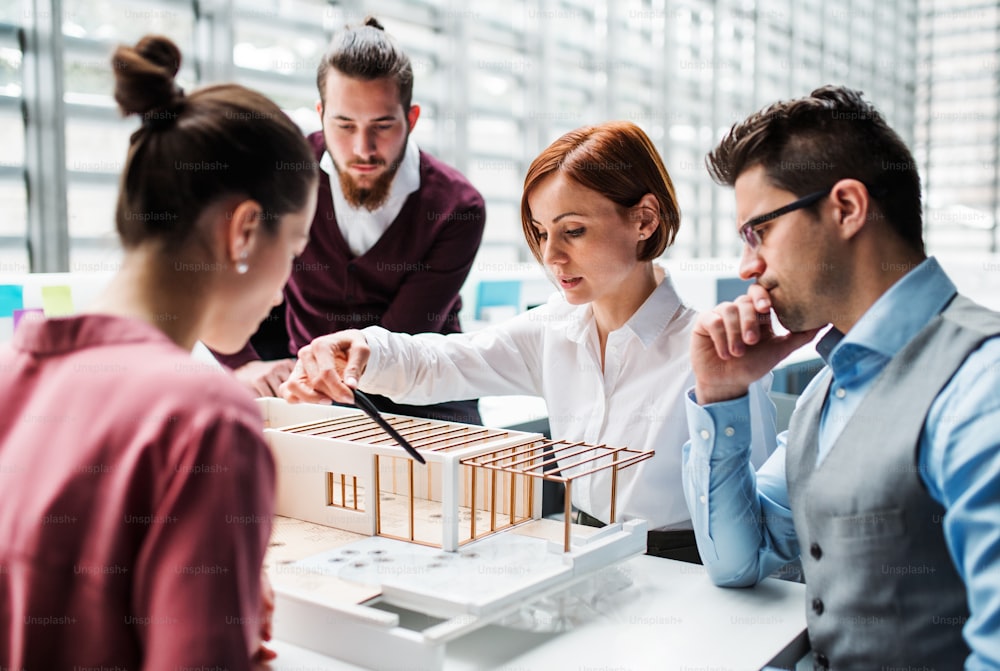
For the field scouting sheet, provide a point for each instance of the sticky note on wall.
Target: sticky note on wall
(57, 301)
(29, 314)
(11, 298)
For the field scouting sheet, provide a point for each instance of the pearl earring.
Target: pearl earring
(242, 267)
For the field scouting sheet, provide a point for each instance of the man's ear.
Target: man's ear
(850, 197)
(319, 110)
(412, 115)
(243, 230)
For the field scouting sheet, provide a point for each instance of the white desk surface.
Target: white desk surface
(672, 617)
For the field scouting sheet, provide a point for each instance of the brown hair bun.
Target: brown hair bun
(144, 78)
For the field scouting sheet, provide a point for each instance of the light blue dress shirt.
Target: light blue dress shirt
(742, 519)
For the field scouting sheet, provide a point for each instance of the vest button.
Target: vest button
(822, 661)
(817, 605)
(816, 551)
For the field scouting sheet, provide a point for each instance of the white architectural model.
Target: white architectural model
(379, 560)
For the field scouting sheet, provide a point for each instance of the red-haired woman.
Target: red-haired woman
(608, 353)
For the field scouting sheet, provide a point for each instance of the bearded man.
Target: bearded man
(395, 232)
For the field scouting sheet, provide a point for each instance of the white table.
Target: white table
(672, 617)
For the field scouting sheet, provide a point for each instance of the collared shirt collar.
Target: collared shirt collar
(65, 334)
(647, 323)
(896, 317)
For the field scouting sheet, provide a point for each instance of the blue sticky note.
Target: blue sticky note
(498, 293)
(11, 298)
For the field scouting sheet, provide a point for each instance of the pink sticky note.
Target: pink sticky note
(28, 314)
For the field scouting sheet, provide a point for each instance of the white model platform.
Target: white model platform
(444, 548)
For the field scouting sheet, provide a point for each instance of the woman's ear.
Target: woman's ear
(243, 229)
(647, 214)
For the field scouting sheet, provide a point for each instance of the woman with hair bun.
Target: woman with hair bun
(609, 353)
(138, 489)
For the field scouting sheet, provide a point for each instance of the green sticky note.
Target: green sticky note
(11, 298)
(57, 301)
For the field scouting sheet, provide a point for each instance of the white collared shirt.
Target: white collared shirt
(361, 227)
(552, 351)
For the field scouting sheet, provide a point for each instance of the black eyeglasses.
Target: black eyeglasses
(748, 231)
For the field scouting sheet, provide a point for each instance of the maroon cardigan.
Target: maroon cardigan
(407, 282)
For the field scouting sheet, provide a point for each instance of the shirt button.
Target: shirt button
(840, 393)
(816, 551)
(817, 605)
(730, 431)
(703, 498)
(705, 434)
(822, 661)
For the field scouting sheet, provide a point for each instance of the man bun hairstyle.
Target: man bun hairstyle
(367, 52)
(193, 150)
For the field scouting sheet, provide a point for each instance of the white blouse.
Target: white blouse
(553, 351)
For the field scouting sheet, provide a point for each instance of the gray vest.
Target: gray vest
(881, 588)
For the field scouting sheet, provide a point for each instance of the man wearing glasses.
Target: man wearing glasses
(887, 483)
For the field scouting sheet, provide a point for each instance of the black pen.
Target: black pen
(365, 403)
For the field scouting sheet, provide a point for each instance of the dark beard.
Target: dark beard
(373, 197)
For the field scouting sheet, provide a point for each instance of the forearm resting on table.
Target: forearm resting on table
(731, 516)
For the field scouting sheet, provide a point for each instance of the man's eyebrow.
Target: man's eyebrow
(388, 117)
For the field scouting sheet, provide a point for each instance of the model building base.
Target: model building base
(379, 561)
(384, 603)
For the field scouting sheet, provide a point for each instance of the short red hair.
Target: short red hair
(617, 160)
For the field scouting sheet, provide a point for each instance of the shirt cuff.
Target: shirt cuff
(720, 429)
(377, 338)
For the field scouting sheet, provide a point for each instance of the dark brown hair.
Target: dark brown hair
(367, 52)
(617, 160)
(810, 143)
(192, 150)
